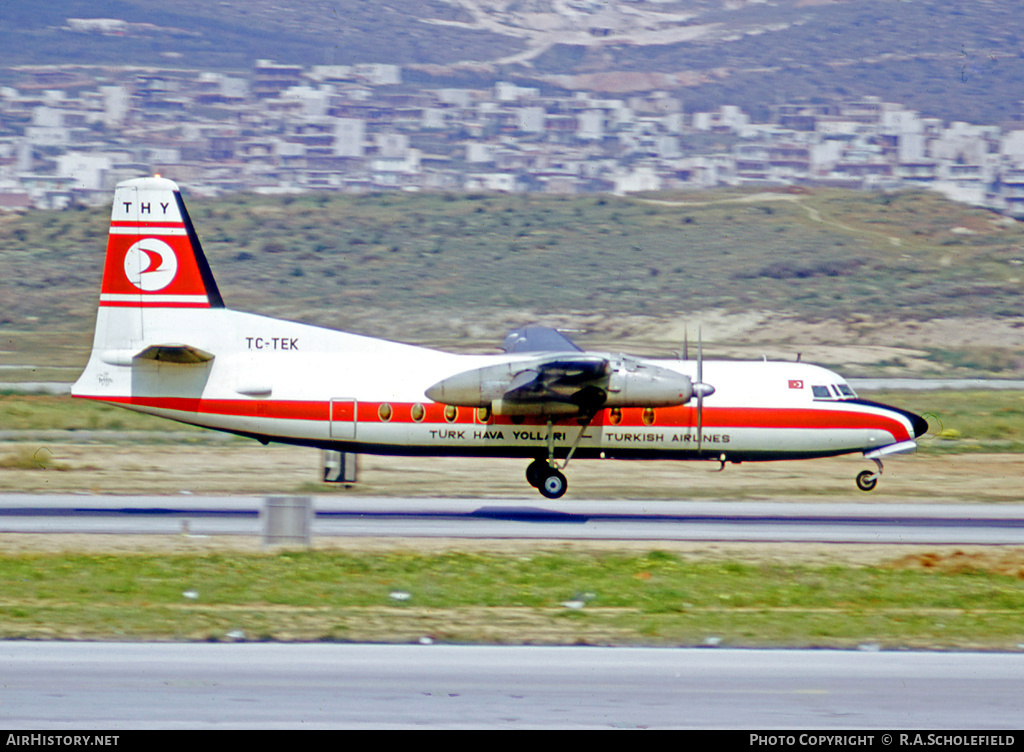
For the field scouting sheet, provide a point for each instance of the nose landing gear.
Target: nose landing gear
(867, 480)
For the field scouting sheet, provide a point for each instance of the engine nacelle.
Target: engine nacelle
(476, 388)
(639, 384)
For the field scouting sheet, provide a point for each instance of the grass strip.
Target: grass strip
(542, 597)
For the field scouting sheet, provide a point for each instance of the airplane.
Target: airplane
(166, 344)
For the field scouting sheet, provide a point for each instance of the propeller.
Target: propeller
(702, 390)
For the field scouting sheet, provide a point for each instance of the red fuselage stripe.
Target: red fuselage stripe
(143, 303)
(401, 413)
(144, 224)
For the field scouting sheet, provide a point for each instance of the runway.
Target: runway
(111, 686)
(48, 685)
(939, 524)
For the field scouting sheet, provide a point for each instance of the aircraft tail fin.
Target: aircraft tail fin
(154, 258)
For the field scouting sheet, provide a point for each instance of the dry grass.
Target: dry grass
(243, 467)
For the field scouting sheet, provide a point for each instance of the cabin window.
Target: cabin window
(451, 412)
(483, 414)
(418, 412)
(615, 416)
(648, 416)
(384, 412)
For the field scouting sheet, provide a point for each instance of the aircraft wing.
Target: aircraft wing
(561, 383)
(538, 339)
(546, 379)
(561, 379)
(580, 381)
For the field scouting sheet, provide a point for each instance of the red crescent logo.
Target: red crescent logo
(150, 264)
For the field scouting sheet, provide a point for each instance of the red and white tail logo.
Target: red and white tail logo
(153, 254)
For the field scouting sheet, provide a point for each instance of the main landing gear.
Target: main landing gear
(546, 479)
(544, 474)
(867, 480)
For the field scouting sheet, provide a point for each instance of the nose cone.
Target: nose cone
(918, 424)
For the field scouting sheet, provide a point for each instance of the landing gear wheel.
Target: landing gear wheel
(553, 485)
(867, 480)
(535, 472)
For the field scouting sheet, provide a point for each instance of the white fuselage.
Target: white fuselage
(283, 381)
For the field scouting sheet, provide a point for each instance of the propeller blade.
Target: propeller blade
(700, 355)
(700, 392)
(700, 422)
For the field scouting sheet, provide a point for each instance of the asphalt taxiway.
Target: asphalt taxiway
(939, 524)
(59, 685)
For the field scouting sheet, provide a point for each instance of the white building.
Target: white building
(349, 137)
(531, 119)
(86, 170)
(590, 125)
(637, 180)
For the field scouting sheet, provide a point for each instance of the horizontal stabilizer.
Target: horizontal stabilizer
(175, 354)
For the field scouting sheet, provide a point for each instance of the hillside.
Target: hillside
(956, 61)
(909, 276)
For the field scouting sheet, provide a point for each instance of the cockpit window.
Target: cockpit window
(834, 392)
